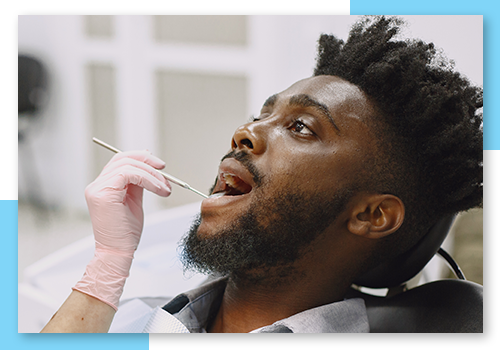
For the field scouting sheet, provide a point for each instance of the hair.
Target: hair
(430, 117)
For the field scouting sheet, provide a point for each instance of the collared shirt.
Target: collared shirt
(197, 308)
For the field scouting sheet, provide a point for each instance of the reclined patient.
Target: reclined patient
(339, 173)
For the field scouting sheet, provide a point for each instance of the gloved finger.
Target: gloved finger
(111, 168)
(140, 178)
(114, 185)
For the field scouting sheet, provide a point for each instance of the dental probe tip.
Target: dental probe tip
(197, 192)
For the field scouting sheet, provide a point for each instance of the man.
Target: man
(339, 173)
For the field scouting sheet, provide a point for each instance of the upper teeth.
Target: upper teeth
(230, 180)
(235, 184)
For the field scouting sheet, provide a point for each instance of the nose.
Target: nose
(249, 137)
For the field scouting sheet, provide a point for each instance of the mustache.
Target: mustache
(244, 159)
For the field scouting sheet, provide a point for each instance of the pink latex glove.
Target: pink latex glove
(114, 201)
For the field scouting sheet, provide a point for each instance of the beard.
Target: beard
(265, 241)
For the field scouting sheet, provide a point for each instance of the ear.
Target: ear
(376, 216)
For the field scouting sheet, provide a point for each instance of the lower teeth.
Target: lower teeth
(217, 195)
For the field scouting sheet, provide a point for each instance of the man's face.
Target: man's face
(290, 173)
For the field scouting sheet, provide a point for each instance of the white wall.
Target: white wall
(280, 50)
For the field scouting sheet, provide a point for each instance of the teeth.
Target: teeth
(231, 180)
(217, 195)
(234, 183)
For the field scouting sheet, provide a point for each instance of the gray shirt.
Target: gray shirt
(196, 309)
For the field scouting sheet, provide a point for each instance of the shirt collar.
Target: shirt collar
(196, 308)
(347, 316)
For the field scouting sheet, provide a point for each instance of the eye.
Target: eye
(301, 128)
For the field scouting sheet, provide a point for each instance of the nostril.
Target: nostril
(247, 137)
(247, 143)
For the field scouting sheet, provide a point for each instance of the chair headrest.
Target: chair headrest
(407, 265)
(445, 306)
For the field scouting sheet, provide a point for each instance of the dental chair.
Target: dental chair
(443, 306)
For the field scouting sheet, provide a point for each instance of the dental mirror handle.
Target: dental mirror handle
(167, 176)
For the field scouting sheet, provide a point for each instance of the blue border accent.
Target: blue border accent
(489, 9)
(8, 323)
(8, 259)
(8, 209)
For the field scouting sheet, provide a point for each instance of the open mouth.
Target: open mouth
(231, 185)
(234, 182)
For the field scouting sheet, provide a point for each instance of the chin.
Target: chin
(210, 225)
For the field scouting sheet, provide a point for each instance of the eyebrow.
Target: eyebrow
(270, 101)
(303, 100)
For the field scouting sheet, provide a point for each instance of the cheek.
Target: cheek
(298, 172)
(310, 166)
(328, 171)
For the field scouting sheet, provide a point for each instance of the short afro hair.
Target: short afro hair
(431, 117)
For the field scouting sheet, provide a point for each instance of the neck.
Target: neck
(321, 276)
(248, 305)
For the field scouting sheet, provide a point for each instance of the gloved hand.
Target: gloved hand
(114, 201)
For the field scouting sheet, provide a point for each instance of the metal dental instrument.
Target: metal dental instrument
(167, 176)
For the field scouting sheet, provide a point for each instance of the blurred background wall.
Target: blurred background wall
(176, 85)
